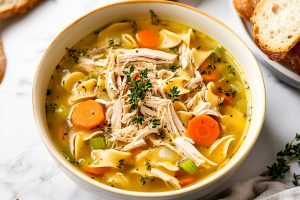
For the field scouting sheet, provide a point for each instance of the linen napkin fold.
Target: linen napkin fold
(261, 188)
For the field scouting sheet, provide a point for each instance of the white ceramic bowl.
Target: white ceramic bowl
(170, 11)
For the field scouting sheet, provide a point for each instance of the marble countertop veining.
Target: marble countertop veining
(27, 171)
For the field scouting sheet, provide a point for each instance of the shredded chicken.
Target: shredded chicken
(186, 147)
(185, 56)
(127, 134)
(116, 117)
(145, 55)
(195, 82)
(134, 145)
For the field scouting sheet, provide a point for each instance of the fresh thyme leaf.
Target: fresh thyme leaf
(138, 119)
(72, 54)
(155, 122)
(144, 73)
(75, 54)
(203, 72)
(148, 165)
(296, 179)
(128, 73)
(144, 179)
(154, 18)
(111, 42)
(82, 52)
(230, 92)
(211, 66)
(174, 68)
(121, 163)
(174, 93)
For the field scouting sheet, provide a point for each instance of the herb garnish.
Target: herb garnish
(138, 88)
(281, 167)
(155, 122)
(138, 119)
(174, 49)
(121, 163)
(148, 165)
(144, 179)
(48, 92)
(111, 42)
(74, 54)
(203, 72)
(174, 93)
(230, 92)
(174, 68)
(211, 66)
(154, 18)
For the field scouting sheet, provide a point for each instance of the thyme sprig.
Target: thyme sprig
(75, 54)
(174, 93)
(155, 122)
(138, 119)
(138, 88)
(281, 167)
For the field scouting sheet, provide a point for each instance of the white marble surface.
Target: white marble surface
(27, 170)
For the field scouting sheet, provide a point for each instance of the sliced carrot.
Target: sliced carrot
(203, 129)
(95, 170)
(208, 74)
(88, 115)
(186, 180)
(148, 38)
(227, 99)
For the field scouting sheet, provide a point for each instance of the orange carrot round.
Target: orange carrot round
(95, 170)
(208, 73)
(88, 115)
(148, 38)
(203, 129)
(186, 180)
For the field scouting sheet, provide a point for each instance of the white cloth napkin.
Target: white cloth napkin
(261, 188)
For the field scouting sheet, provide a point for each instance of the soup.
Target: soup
(147, 105)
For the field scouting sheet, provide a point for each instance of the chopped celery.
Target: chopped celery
(62, 111)
(188, 166)
(59, 109)
(97, 143)
(94, 76)
(229, 76)
(219, 51)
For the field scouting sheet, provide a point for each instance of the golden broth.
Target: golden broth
(95, 48)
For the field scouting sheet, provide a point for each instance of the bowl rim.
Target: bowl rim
(52, 148)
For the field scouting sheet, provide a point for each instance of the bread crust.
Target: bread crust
(17, 9)
(245, 8)
(2, 62)
(292, 59)
(273, 54)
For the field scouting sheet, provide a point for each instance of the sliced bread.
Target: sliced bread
(2, 62)
(10, 8)
(276, 26)
(292, 59)
(245, 8)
